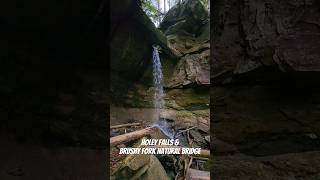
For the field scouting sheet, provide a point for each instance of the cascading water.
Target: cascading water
(159, 94)
(157, 82)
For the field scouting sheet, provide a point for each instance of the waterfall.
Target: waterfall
(158, 99)
(157, 82)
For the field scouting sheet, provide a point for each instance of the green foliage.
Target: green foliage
(149, 7)
(205, 3)
(151, 11)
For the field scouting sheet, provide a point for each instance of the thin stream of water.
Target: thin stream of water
(159, 94)
(157, 82)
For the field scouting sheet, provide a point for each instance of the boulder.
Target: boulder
(191, 69)
(185, 18)
(141, 166)
(187, 28)
(182, 45)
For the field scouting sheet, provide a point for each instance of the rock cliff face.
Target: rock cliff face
(187, 17)
(187, 85)
(187, 28)
(185, 64)
(265, 71)
(132, 35)
(253, 35)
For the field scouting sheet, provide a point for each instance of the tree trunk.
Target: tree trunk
(124, 125)
(131, 136)
(159, 12)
